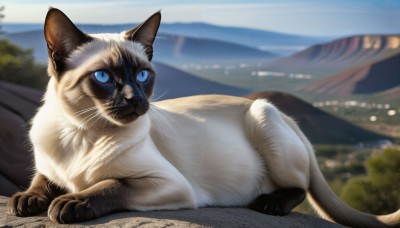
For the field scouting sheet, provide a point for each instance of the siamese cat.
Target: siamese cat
(100, 146)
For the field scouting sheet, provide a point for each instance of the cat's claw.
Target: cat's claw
(71, 209)
(27, 204)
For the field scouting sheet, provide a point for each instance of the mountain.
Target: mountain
(10, 28)
(172, 49)
(343, 53)
(31, 40)
(377, 53)
(320, 127)
(276, 42)
(184, 49)
(368, 78)
(173, 83)
(352, 65)
(283, 44)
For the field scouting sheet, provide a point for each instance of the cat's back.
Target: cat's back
(205, 103)
(204, 137)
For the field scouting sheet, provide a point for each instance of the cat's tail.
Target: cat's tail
(332, 208)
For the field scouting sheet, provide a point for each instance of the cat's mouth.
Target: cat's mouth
(127, 114)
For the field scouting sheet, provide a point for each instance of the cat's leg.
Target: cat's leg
(116, 195)
(34, 200)
(280, 202)
(286, 154)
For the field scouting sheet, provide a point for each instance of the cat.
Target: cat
(101, 146)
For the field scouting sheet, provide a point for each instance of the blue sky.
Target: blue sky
(306, 17)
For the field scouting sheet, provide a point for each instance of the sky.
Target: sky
(303, 17)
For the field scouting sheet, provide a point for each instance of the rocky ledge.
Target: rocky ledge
(205, 217)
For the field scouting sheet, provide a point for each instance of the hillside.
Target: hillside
(280, 43)
(172, 83)
(171, 49)
(276, 42)
(393, 93)
(343, 53)
(319, 126)
(365, 79)
(390, 95)
(183, 49)
(361, 59)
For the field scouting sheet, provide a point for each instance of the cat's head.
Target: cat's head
(105, 77)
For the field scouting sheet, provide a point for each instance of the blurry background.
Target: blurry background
(334, 66)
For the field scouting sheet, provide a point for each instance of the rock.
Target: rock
(205, 217)
(17, 107)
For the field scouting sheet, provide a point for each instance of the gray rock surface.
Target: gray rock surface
(205, 217)
(17, 106)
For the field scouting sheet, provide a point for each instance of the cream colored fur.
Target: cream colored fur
(184, 153)
(218, 165)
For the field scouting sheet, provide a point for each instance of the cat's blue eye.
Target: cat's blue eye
(101, 76)
(142, 76)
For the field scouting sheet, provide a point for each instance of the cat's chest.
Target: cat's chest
(79, 142)
(77, 159)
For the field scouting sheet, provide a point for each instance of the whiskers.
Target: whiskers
(161, 119)
(159, 97)
(88, 118)
(95, 114)
(86, 110)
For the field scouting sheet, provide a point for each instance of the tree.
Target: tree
(379, 191)
(18, 66)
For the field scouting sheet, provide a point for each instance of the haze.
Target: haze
(304, 17)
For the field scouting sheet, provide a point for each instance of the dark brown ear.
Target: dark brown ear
(145, 33)
(62, 37)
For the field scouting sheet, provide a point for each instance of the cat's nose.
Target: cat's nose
(127, 90)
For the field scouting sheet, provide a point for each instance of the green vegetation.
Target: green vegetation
(365, 178)
(18, 66)
(378, 192)
(348, 168)
(340, 162)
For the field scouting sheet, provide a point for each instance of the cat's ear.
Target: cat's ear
(62, 37)
(145, 33)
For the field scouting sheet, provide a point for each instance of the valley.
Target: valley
(356, 78)
(343, 93)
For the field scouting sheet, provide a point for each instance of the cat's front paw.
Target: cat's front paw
(71, 209)
(27, 204)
